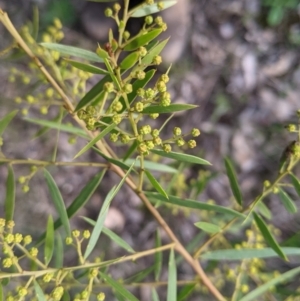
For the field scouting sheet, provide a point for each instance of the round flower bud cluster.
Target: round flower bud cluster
(149, 20)
(108, 12)
(22, 292)
(48, 277)
(165, 99)
(146, 129)
(33, 252)
(291, 128)
(69, 240)
(84, 295)
(24, 180)
(125, 139)
(75, 233)
(109, 87)
(142, 51)
(126, 35)
(101, 297)
(160, 5)
(295, 149)
(27, 240)
(88, 116)
(140, 74)
(149, 2)
(117, 118)
(57, 293)
(139, 106)
(167, 147)
(114, 137)
(127, 88)
(2, 224)
(9, 238)
(117, 7)
(143, 149)
(93, 273)
(160, 22)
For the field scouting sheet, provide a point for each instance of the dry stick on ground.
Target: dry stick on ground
(70, 108)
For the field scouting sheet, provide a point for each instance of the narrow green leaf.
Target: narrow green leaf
(49, 241)
(155, 184)
(234, 254)
(112, 73)
(95, 91)
(172, 278)
(112, 235)
(142, 40)
(208, 227)
(87, 67)
(35, 22)
(111, 160)
(180, 157)
(154, 294)
(233, 181)
(58, 201)
(99, 99)
(153, 52)
(139, 276)
(66, 296)
(172, 108)
(9, 205)
(118, 287)
(118, 240)
(39, 292)
(96, 139)
(157, 257)
(102, 215)
(119, 296)
(102, 53)
(295, 183)
(99, 223)
(59, 252)
(264, 210)
(185, 292)
(84, 195)
(270, 240)
(153, 166)
(254, 294)
(130, 60)
(45, 129)
(73, 51)
(58, 126)
(5, 281)
(6, 120)
(287, 202)
(146, 10)
(130, 151)
(193, 204)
